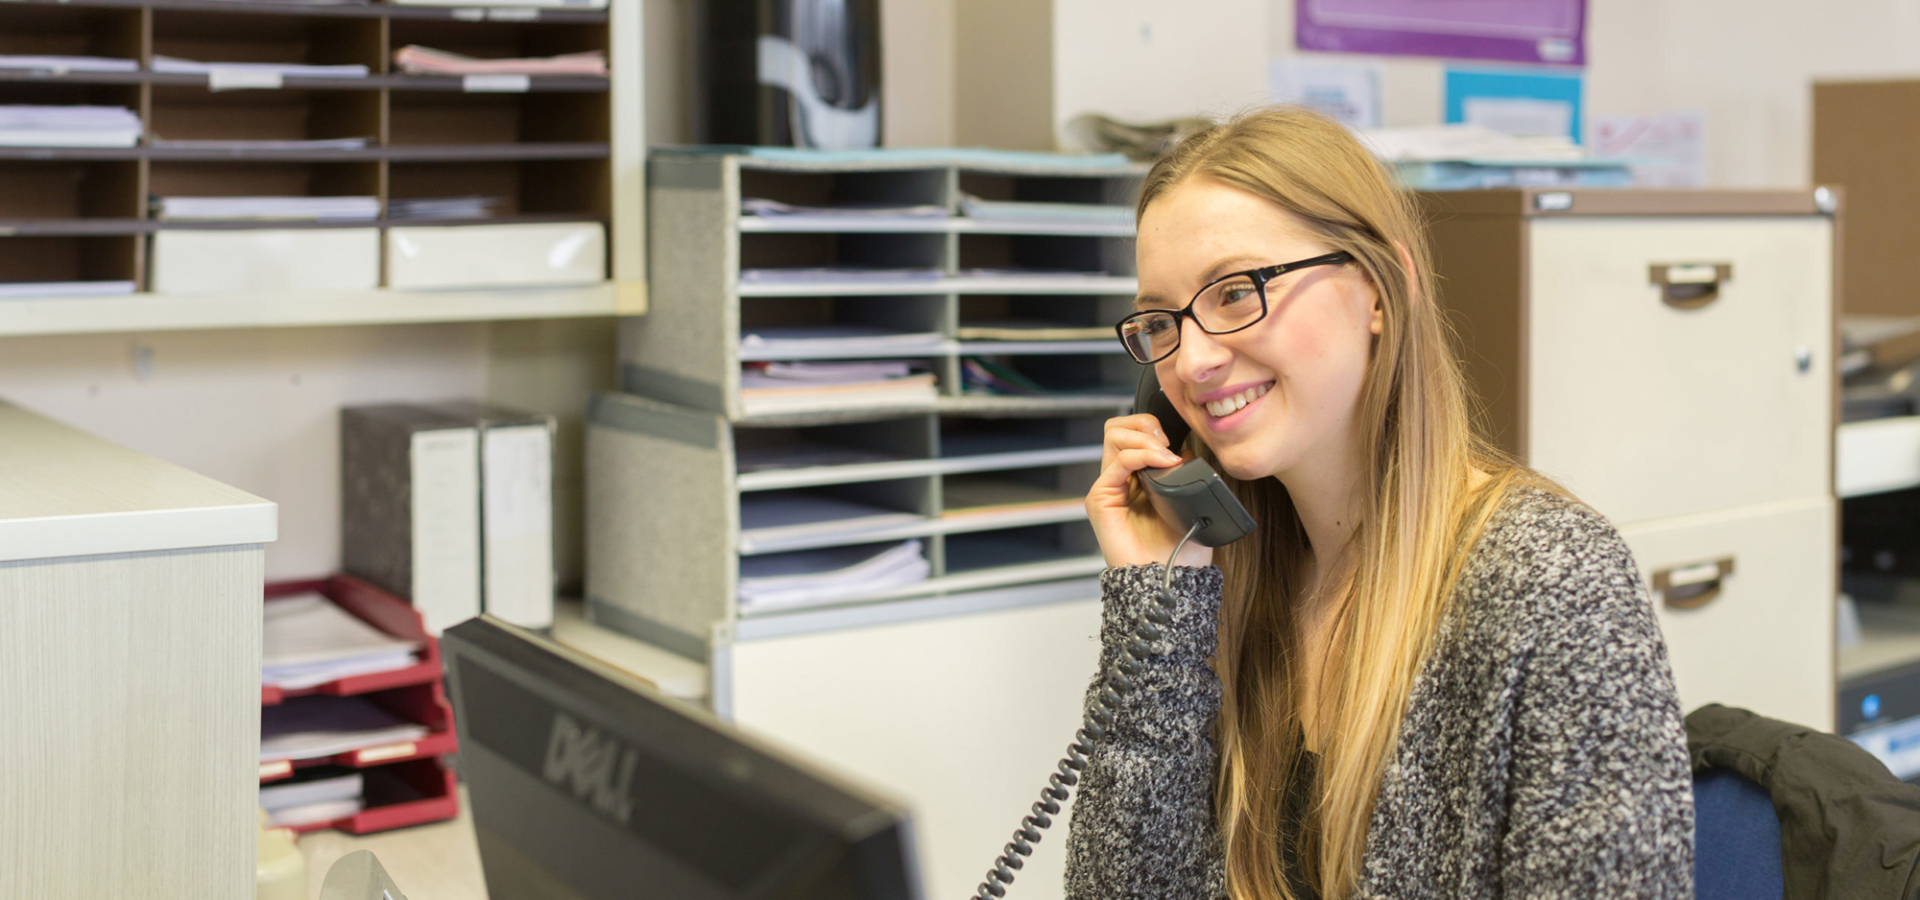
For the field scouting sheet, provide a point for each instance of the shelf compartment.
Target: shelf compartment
(64, 190)
(1071, 543)
(378, 608)
(827, 250)
(985, 493)
(423, 703)
(897, 187)
(35, 30)
(1103, 256)
(264, 179)
(268, 8)
(223, 36)
(542, 188)
(399, 795)
(1098, 373)
(780, 458)
(904, 315)
(835, 515)
(504, 37)
(445, 118)
(31, 259)
(194, 113)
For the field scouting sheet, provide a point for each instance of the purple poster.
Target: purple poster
(1534, 31)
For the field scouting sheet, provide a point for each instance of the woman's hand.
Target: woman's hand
(1130, 532)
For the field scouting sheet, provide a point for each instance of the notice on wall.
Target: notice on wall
(1521, 102)
(1344, 89)
(1666, 150)
(1533, 31)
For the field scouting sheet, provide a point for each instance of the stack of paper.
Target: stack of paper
(18, 289)
(68, 126)
(63, 64)
(323, 209)
(986, 377)
(989, 493)
(832, 274)
(175, 65)
(469, 207)
(1092, 215)
(309, 641)
(813, 577)
(1032, 331)
(774, 209)
(771, 521)
(828, 341)
(328, 794)
(323, 725)
(414, 59)
(792, 387)
(347, 143)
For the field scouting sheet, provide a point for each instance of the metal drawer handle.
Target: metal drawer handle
(1692, 585)
(1689, 285)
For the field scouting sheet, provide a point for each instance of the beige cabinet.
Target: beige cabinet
(959, 708)
(1668, 357)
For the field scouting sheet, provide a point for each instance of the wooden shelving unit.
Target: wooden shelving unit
(564, 149)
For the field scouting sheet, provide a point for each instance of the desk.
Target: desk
(130, 655)
(428, 862)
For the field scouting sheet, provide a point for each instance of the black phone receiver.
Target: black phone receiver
(1192, 491)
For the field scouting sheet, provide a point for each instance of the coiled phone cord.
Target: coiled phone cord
(1118, 682)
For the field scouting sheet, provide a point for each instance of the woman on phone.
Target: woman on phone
(1429, 672)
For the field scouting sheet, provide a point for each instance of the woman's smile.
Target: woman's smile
(1229, 407)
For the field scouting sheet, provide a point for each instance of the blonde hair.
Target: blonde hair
(1420, 515)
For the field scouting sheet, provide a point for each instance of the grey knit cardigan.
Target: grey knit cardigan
(1541, 754)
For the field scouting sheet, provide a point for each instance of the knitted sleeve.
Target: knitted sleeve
(1600, 801)
(1142, 820)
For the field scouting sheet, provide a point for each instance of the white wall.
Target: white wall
(1747, 64)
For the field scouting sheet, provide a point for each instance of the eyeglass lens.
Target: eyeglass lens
(1229, 305)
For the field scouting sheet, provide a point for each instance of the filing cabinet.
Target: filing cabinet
(1669, 357)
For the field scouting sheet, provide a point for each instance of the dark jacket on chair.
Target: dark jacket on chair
(1849, 830)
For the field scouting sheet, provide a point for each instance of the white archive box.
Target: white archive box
(302, 259)
(461, 256)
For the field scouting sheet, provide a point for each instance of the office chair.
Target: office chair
(1736, 839)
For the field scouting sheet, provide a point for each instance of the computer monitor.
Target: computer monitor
(587, 785)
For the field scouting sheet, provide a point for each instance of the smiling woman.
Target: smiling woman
(1438, 674)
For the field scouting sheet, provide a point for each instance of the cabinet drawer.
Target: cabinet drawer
(1764, 641)
(481, 256)
(1650, 407)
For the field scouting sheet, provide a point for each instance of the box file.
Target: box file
(469, 256)
(266, 260)
(410, 492)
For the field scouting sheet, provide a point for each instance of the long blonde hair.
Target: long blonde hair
(1420, 515)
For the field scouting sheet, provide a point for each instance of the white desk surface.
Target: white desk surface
(64, 492)
(427, 862)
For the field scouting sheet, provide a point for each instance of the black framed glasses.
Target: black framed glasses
(1226, 305)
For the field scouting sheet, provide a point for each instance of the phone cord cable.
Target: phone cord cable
(1117, 682)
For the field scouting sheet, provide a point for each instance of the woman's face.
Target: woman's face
(1299, 369)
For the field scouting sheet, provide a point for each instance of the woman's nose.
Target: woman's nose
(1200, 356)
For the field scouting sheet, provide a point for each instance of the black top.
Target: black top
(1295, 864)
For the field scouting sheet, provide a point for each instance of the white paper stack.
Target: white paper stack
(14, 290)
(794, 387)
(347, 143)
(309, 641)
(774, 209)
(830, 341)
(833, 274)
(1064, 215)
(175, 65)
(471, 207)
(323, 725)
(68, 126)
(810, 578)
(773, 521)
(322, 209)
(313, 800)
(63, 64)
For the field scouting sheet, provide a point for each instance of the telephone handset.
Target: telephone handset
(1192, 492)
(1191, 496)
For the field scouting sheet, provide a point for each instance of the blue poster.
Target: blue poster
(1516, 101)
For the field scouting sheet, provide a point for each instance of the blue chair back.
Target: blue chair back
(1736, 837)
